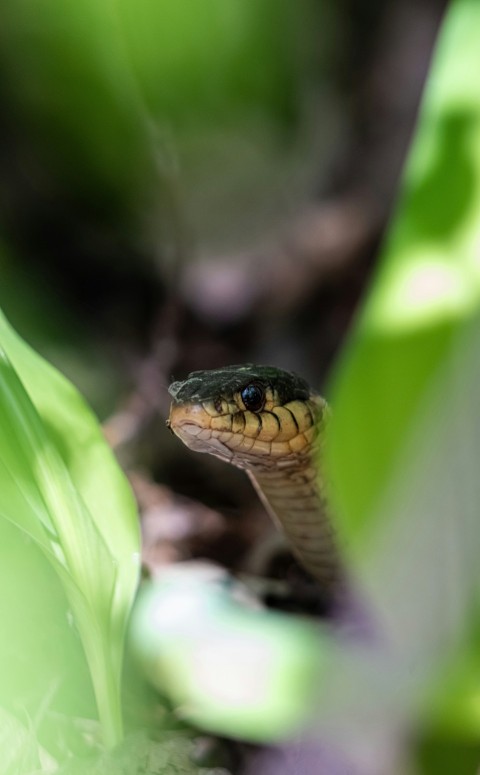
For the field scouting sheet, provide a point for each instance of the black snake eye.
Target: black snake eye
(253, 397)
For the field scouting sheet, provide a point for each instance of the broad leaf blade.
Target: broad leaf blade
(405, 437)
(66, 492)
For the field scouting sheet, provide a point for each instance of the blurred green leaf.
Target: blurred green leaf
(227, 666)
(404, 446)
(147, 117)
(63, 489)
(444, 757)
(428, 285)
(72, 88)
(91, 77)
(20, 751)
(198, 63)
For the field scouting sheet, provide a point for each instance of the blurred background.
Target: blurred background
(186, 185)
(189, 185)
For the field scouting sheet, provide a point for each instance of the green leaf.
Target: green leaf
(227, 666)
(427, 287)
(405, 440)
(18, 745)
(62, 487)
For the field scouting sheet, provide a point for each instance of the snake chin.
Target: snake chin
(190, 433)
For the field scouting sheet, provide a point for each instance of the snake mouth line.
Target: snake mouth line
(188, 422)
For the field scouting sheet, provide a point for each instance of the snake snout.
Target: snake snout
(187, 420)
(192, 424)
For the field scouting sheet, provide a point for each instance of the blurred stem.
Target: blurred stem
(106, 675)
(107, 694)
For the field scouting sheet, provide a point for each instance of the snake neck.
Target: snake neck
(295, 499)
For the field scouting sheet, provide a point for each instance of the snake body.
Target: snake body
(268, 422)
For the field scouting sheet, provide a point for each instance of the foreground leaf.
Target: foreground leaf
(63, 489)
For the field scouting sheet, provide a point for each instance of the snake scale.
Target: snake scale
(268, 422)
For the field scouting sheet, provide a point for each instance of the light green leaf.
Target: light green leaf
(227, 666)
(62, 487)
(20, 750)
(427, 287)
(405, 440)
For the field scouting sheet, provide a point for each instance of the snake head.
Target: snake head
(252, 416)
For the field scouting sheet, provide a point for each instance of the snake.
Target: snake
(268, 422)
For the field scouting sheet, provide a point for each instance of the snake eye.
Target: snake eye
(253, 397)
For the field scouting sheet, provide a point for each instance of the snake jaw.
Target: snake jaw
(192, 424)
